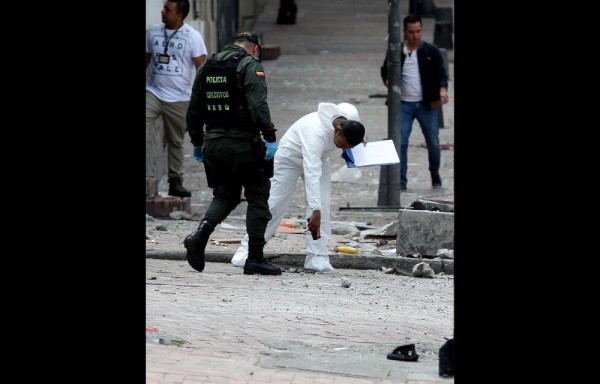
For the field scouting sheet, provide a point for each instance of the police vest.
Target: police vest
(225, 103)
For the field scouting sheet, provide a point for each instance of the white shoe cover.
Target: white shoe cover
(319, 263)
(239, 259)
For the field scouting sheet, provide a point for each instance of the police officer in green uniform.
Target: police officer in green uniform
(227, 114)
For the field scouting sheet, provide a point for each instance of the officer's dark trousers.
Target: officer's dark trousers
(233, 163)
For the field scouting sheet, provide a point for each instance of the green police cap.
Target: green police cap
(252, 37)
(249, 36)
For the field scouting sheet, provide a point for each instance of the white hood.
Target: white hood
(348, 111)
(329, 111)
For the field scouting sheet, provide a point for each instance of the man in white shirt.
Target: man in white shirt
(174, 51)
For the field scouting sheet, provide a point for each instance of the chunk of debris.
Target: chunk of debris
(390, 229)
(344, 228)
(180, 215)
(388, 252)
(444, 253)
(364, 226)
(346, 282)
(229, 241)
(423, 270)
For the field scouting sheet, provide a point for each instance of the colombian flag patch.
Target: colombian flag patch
(260, 74)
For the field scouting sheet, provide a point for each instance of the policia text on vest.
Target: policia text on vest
(219, 81)
(217, 94)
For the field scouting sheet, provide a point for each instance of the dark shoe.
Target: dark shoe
(446, 359)
(176, 188)
(260, 267)
(403, 187)
(436, 181)
(404, 353)
(195, 244)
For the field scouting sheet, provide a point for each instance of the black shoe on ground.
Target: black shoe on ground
(436, 181)
(260, 267)
(176, 188)
(195, 243)
(195, 251)
(403, 187)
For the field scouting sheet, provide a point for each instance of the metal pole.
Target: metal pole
(389, 181)
(227, 22)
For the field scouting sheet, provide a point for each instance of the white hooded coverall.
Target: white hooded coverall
(304, 152)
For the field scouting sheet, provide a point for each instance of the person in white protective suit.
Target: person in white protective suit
(304, 151)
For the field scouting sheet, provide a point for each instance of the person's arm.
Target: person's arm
(148, 58)
(195, 113)
(198, 61)
(384, 71)
(198, 51)
(313, 145)
(443, 76)
(148, 50)
(255, 86)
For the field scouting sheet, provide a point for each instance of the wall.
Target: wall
(153, 8)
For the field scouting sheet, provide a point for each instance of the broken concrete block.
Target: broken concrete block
(425, 231)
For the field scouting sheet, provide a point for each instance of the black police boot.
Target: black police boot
(256, 264)
(436, 181)
(176, 187)
(195, 244)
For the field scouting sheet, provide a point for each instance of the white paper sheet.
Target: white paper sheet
(381, 152)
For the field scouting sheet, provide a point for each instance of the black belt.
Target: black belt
(230, 128)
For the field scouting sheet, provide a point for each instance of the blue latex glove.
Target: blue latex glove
(271, 149)
(198, 154)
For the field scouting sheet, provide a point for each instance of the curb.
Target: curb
(402, 265)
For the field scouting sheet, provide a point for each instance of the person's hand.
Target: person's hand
(198, 154)
(271, 149)
(314, 225)
(444, 95)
